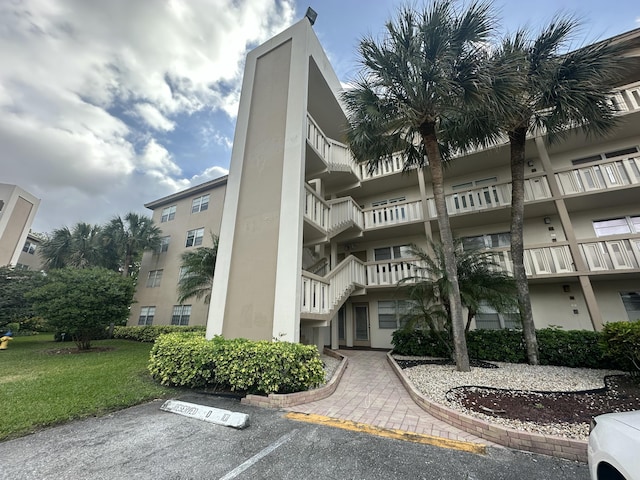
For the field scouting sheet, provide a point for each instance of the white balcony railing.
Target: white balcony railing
(344, 212)
(335, 154)
(539, 260)
(491, 196)
(323, 295)
(390, 272)
(622, 254)
(627, 98)
(393, 214)
(316, 210)
(603, 176)
(387, 166)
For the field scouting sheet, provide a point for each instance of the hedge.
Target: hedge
(189, 360)
(621, 343)
(570, 348)
(149, 333)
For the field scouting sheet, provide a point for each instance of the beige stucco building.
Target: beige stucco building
(312, 245)
(17, 210)
(187, 220)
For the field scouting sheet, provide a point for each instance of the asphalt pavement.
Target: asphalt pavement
(144, 442)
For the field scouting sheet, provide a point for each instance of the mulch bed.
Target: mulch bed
(74, 350)
(621, 394)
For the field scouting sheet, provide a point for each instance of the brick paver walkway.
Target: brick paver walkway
(370, 392)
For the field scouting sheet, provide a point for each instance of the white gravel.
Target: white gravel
(330, 366)
(434, 381)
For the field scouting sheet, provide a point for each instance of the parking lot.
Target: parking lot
(144, 442)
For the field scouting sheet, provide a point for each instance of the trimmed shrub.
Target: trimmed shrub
(189, 360)
(149, 333)
(621, 345)
(571, 348)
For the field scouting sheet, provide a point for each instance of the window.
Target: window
(478, 183)
(164, 244)
(200, 204)
(600, 156)
(389, 253)
(392, 314)
(389, 210)
(491, 240)
(488, 318)
(29, 247)
(194, 237)
(181, 315)
(146, 315)
(154, 278)
(617, 226)
(631, 302)
(168, 214)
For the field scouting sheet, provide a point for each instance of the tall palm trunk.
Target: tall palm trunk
(455, 304)
(517, 139)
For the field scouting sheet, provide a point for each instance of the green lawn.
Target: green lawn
(39, 388)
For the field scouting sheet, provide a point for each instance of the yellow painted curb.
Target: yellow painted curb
(389, 432)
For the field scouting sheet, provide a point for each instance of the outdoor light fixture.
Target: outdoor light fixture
(311, 15)
(547, 220)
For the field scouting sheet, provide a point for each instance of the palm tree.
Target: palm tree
(197, 271)
(80, 247)
(549, 92)
(129, 237)
(480, 279)
(427, 68)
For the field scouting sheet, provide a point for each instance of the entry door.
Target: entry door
(361, 325)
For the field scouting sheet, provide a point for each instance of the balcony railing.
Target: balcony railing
(393, 214)
(344, 212)
(538, 261)
(324, 295)
(387, 166)
(390, 272)
(607, 175)
(627, 98)
(491, 196)
(316, 210)
(622, 254)
(335, 154)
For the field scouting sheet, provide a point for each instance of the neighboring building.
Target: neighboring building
(187, 220)
(17, 210)
(312, 245)
(29, 258)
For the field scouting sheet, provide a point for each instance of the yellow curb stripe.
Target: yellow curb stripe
(389, 432)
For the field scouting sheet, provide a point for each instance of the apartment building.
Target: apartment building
(29, 258)
(312, 245)
(187, 220)
(17, 210)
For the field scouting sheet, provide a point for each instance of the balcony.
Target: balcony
(612, 255)
(389, 272)
(392, 214)
(491, 197)
(539, 261)
(627, 98)
(603, 176)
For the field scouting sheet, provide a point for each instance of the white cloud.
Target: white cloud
(76, 73)
(152, 116)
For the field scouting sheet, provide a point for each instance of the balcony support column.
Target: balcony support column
(592, 304)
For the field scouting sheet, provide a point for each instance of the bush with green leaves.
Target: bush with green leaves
(82, 303)
(149, 333)
(570, 348)
(15, 307)
(189, 360)
(621, 344)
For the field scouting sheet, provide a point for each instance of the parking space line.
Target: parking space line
(389, 432)
(262, 453)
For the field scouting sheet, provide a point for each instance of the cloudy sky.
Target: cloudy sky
(107, 105)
